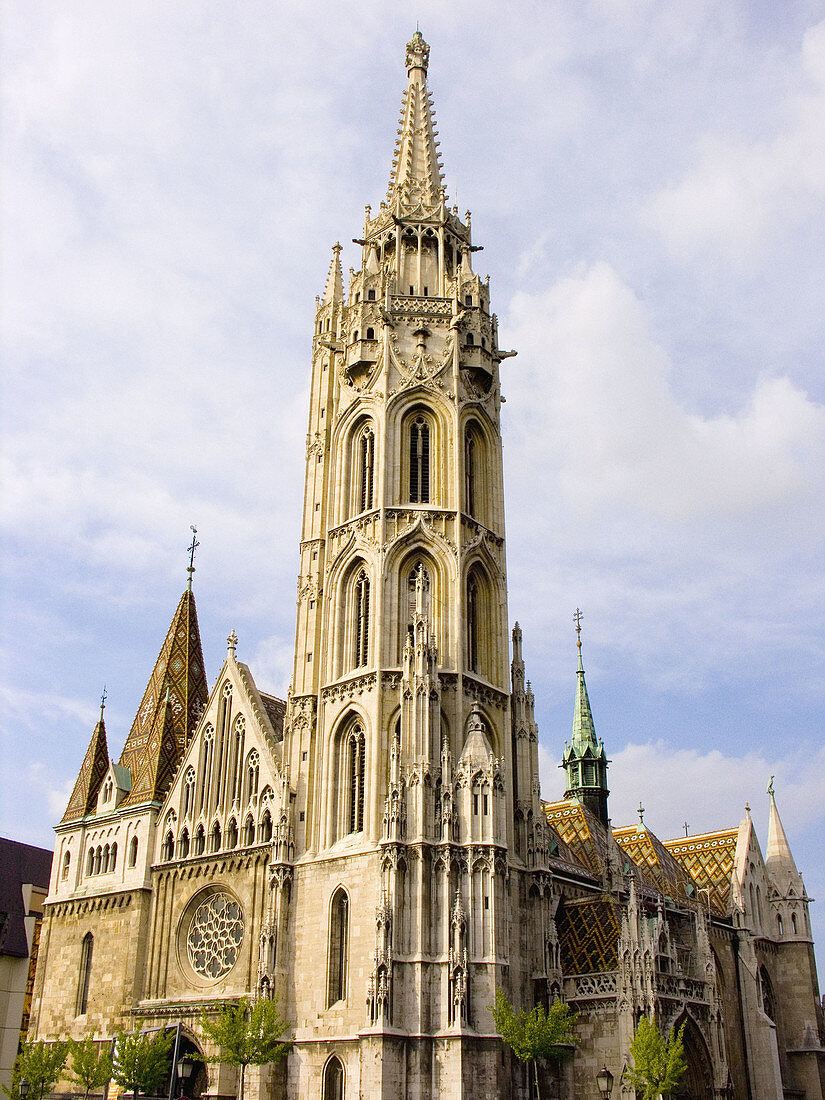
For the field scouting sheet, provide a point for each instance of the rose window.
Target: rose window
(215, 936)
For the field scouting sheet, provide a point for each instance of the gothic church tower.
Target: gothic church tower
(399, 738)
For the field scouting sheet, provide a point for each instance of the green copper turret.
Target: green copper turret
(585, 761)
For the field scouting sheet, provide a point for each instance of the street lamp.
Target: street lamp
(23, 1088)
(184, 1068)
(604, 1079)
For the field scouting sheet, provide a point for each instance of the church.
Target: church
(374, 850)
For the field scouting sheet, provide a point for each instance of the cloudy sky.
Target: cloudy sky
(648, 180)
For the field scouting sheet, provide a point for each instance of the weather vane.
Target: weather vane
(192, 547)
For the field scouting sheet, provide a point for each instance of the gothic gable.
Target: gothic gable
(229, 790)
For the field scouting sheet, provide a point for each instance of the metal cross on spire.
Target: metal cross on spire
(103, 699)
(192, 547)
(641, 813)
(577, 619)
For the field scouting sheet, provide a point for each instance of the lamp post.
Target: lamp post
(604, 1079)
(23, 1088)
(184, 1068)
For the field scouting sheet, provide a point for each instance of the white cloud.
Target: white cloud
(742, 195)
(708, 789)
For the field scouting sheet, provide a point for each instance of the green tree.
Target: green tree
(41, 1065)
(658, 1064)
(91, 1064)
(536, 1034)
(141, 1062)
(247, 1034)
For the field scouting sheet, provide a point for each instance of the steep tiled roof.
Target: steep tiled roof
(708, 859)
(87, 785)
(656, 863)
(170, 708)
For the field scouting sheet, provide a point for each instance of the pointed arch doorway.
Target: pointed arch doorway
(697, 1083)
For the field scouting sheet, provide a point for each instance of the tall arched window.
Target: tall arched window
(361, 620)
(200, 841)
(67, 859)
(90, 862)
(265, 828)
(356, 769)
(168, 850)
(338, 934)
(419, 461)
(183, 844)
(84, 975)
(469, 473)
(249, 831)
(366, 469)
(113, 857)
(473, 600)
(215, 838)
(333, 1080)
(133, 851)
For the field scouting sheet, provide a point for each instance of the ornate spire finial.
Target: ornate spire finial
(418, 53)
(103, 699)
(641, 813)
(577, 619)
(192, 547)
(231, 643)
(770, 787)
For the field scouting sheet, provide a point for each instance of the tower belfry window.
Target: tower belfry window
(356, 772)
(420, 461)
(366, 469)
(472, 624)
(469, 473)
(362, 620)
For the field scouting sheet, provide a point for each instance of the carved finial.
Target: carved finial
(337, 247)
(641, 813)
(103, 699)
(418, 53)
(192, 547)
(231, 643)
(770, 787)
(748, 808)
(686, 829)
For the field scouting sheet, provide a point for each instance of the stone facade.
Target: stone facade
(374, 850)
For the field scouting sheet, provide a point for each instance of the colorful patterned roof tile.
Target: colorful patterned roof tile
(87, 785)
(580, 831)
(170, 708)
(589, 930)
(656, 863)
(708, 859)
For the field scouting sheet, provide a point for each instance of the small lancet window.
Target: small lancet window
(333, 1080)
(338, 933)
(370, 334)
(470, 338)
(84, 975)
(420, 461)
(133, 851)
(362, 620)
(67, 859)
(370, 295)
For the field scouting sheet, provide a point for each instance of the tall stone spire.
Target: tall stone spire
(334, 290)
(94, 767)
(584, 731)
(170, 708)
(416, 177)
(778, 856)
(585, 761)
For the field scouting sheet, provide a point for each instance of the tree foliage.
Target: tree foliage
(537, 1034)
(91, 1064)
(141, 1062)
(41, 1065)
(247, 1034)
(658, 1064)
